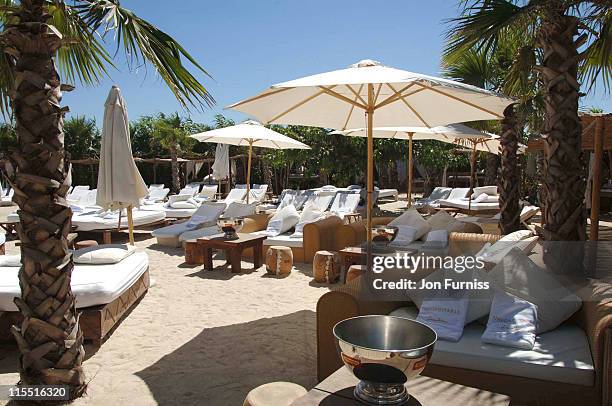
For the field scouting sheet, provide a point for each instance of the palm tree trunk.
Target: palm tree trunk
(49, 338)
(509, 179)
(563, 180)
(176, 182)
(491, 168)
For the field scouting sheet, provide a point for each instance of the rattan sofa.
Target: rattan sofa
(594, 319)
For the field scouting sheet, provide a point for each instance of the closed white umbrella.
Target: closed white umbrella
(387, 96)
(220, 167)
(252, 134)
(459, 134)
(119, 182)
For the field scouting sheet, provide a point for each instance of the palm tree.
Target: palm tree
(170, 132)
(552, 31)
(36, 34)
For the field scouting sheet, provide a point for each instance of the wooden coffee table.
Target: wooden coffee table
(233, 249)
(337, 390)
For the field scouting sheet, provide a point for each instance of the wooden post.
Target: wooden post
(596, 181)
(130, 224)
(472, 175)
(249, 171)
(370, 173)
(410, 169)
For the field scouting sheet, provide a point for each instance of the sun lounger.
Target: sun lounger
(433, 200)
(190, 189)
(388, 193)
(103, 293)
(208, 192)
(234, 195)
(77, 193)
(490, 225)
(205, 216)
(156, 186)
(345, 203)
(464, 205)
(156, 195)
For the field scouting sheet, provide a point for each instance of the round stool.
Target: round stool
(326, 266)
(279, 260)
(85, 244)
(274, 394)
(354, 272)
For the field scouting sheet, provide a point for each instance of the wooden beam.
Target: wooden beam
(433, 89)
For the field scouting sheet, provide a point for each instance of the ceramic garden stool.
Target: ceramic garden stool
(275, 394)
(326, 266)
(354, 272)
(85, 244)
(279, 260)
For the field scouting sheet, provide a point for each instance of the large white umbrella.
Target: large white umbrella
(387, 96)
(252, 134)
(119, 182)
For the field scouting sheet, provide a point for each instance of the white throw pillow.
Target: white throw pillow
(441, 221)
(517, 235)
(489, 190)
(519, 276)
(184, 204)
(102, 254)
(405, 235)
(496, 252)
(479, 300)
(178, 198)
(446, 314)
(10, 260)
(436, 239)
(491, 199)
(413, 218)
(283, 220)
(512, 322)
(237, 209)
(310, 214)
(480, 198)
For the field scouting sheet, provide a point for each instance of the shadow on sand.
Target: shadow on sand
(222, 364)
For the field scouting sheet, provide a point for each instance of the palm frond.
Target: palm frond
(142, 42)
(597, 61)
(83, 57)
(482, 23)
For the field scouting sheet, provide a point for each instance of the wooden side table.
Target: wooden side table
(351, 256)
(337, 390)
(233, 249)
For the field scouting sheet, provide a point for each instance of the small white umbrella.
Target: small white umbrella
(252, 134)
(454, 133)
(387, 96)
(220, 167)
(119, 182)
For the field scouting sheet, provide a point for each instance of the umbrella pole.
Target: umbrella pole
(130, 224)
(472, 176)
(410, 169)
(249, 171)
(370, 174)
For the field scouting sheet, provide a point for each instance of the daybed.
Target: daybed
(433, 200)
(484, 200)
(94, 220)
(104, 293)
(570, 365)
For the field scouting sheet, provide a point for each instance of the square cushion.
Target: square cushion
(310, 214)
(512, 322)
(442, 221)
(445, 313)
(238, 209)
(102, 254)
(519, 276)
(488, 190)
(480, 198)
(479, 300)
(178, 198)
(283, 220)
(495, 253)
(405, 235)
(413, 218)
(436, 239)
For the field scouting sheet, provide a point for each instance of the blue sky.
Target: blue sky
(248, 45)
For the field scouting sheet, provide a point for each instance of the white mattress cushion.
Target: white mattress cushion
(561, 355)
(102, 254)
(285, 240)
(461, 204)
(92, 220)
(91, 284)
(179, 213)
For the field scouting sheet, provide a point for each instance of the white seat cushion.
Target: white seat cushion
(561, 355)
(412, 218)
(285, 240)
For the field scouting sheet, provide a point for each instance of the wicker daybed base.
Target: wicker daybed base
(96, 321)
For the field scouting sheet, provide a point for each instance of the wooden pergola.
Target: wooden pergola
(596, 138)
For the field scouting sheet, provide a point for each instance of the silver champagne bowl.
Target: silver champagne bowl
(230, 226)
(384, 352)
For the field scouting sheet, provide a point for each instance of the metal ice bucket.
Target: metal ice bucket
(384, 352)
(230, 226)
